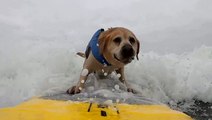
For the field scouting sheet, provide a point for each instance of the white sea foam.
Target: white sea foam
(160, 77)
(174, 77)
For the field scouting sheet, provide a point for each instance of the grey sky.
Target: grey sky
(164, 26)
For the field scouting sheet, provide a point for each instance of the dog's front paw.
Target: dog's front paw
(73, 90)
(131, 90)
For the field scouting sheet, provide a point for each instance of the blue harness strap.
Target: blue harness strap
(94, 46)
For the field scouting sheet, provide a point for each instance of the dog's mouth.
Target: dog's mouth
(117, 58)
(125, 61)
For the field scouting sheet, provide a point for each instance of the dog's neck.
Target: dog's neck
(94, 46)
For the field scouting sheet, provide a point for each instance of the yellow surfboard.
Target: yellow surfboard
(46, 109)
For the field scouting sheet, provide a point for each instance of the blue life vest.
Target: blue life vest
(94, 47)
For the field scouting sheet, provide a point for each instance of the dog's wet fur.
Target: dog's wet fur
(119, 46)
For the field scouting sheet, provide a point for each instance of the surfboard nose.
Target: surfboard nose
(43, 109)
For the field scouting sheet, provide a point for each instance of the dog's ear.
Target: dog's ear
(103, 41)
(138, 49)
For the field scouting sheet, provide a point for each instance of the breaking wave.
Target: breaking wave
(48, 68)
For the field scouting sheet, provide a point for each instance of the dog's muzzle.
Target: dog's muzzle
(127, 53)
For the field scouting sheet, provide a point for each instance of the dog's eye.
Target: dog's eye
(117, 40)
(132, 40)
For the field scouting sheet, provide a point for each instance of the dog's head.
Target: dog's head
(119, 46)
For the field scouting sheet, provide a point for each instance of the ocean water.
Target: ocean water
(169, 78)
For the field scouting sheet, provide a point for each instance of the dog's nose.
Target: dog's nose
(127, 51)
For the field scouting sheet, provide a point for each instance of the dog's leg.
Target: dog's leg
(120, 74)
(80, 85)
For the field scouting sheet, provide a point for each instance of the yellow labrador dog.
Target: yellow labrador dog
(106, 52)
